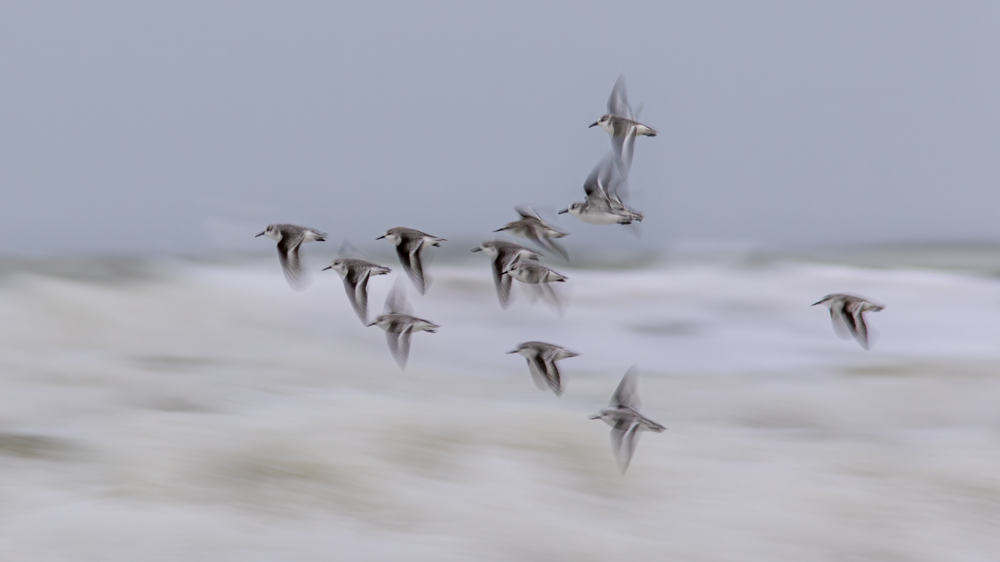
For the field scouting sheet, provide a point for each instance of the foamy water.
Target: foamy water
(178, 410)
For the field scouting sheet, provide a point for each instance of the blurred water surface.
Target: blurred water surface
(173, 409)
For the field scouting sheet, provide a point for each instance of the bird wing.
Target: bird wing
(399, 345)
(395, 301)
(860, 331)
(626, 395)
(408, 252)
(288, 255)
(526, 212)
(501, 279)
(595, 186)
(618, 101)
(537, 368)
(841, 322)
(624, 436)
(551, 370)
(356, 285)
(624, 147)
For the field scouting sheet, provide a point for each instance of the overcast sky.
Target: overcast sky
(176, 127)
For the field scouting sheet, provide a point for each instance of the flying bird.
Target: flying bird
(542, 359)
(623, 415)
(604, 188)
(502, 254)
(538, 277)
(409, 243)
(621, 124)
(848, 315)
(356, 273)
(289, 237)
(399, 324)
(532, 227)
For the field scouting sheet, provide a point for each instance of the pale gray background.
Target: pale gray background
(184, 127)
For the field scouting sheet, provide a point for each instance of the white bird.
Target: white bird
(623, 415)
(848, 315)
(604, 188)
(502, 254)
(537, 277)
(356, 273)
(409, 243)
(399, 324)
(534, 273)
(289, 238)
(542, 359)
(620, 123)
(532, 227)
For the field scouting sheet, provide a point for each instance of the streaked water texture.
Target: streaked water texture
(204, 411)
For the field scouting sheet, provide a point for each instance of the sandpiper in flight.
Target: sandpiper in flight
(502, 254)
(620, 123)
(542, 359)
(289, 237)
(537, 277)
(409, 243)
(399, 324)
(848, 315)
(356, 273)
(604, 187)
(622, 414)
(532, 227)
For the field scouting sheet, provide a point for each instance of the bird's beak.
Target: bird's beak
(564, 211)
(380, 237)
(327, 267)
(259, 235)
(512, 351)
(815, 303)
(370, 325)
(477, 249)
(594, 417)
(594, 125)
(498, 230)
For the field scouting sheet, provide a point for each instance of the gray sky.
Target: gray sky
(128, 128)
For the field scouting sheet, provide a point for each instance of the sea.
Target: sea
(200, 409)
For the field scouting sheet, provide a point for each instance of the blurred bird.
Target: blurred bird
(622, 414)
(538, 277)
(289, 237)
(848, 315)
(533, 273)
(356, 273)
(532, 227)
(604, 188)
(502, 254)
(542, 359)
(398, 324)
(409, 243)
(622, 125)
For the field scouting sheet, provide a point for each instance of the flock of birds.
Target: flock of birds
(605, 188)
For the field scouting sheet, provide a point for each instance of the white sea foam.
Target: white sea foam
(207, 412)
